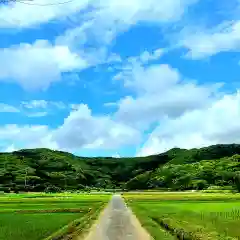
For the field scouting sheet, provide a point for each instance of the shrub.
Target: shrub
(52, 189)
(237, 181)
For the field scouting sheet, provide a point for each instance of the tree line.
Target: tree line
(46, 170)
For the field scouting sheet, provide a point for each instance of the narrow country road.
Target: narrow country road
(117, 222)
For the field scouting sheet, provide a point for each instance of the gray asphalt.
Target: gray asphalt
(117, 223)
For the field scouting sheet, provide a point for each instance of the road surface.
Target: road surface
(117, 222)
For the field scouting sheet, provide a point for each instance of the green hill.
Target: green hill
(179, 169)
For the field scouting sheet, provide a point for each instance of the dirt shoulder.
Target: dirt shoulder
(117, 222)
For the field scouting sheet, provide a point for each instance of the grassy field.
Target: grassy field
(48, 216)
(188, 215)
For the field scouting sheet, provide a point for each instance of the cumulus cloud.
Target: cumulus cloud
(10, 148)
(82, 129)
(160, 91)
(26, 136)
(215, 124)
(38, 65)
(28, 133)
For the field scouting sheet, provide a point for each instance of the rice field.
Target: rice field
(48, 216)
(166, 216)
(188, 215)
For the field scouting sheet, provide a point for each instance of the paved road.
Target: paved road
(117, 223)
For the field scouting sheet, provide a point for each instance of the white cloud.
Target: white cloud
(10, 148)
(110, 104)
(42, 108)
(205, 43)
(58, 105)
(37, 66)
(23, 15)
(147, 56)
(37, 114)
(75, 36)
(83, 130)
(35, 104)
(34, 108)
(150, 79)
(219, 123)
(103, 11)
(75, 106)
(42, 104)
(142, 10)
(14, 137)
(8, 108)
(108, 18)
(160, 94)
(116, 155)
(80, 130)
(111, 17)
(160, 91)
(26, 136)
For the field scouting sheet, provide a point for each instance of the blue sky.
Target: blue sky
(119, 78)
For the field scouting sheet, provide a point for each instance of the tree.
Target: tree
(37, 169)
(199, 184)
(237, 181)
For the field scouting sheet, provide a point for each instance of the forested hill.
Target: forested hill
(178, 169)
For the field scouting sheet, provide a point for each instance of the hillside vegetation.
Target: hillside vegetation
(177, 169)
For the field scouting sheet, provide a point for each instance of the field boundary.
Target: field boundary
(60, 210)
(183, 234)
(178, 233)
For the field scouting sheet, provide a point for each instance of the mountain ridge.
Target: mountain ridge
(41, 168)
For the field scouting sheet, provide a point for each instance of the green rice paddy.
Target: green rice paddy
(52, 216)
(188, 216)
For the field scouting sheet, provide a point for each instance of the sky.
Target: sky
(119, 78)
